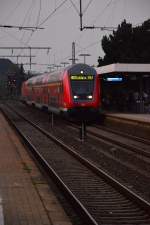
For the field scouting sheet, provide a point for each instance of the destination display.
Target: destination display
(82, 77)
(115, 79)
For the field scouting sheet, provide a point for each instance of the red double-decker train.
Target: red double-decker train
(73, 91)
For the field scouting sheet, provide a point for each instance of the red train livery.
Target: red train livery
(74, 90)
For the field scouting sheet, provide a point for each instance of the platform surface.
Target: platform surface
(25, 196)
(136, 117)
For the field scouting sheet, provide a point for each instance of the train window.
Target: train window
(39, 80)
(60, 88)
(82, 87)
(45, 90)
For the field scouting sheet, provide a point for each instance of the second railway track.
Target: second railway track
(138, 145)
(132, 143)
(102, 199)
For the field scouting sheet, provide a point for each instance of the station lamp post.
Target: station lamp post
(57, 66)
(64, 63)
(84, 56)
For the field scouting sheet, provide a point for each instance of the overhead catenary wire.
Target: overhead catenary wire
(39, 13)
(24, 43)
(28, 13)
(13, 10)
(84, 33)
(15, 38)
(20, 27)
(88, 46)
(53, 12)
(77, 10)
(28, 17)
(102, 11)
(111, 17)
(37, 22)
(75, 7)
(89, 3)
(39, 17)
(81, 49)
(56, 8)
(103, 28)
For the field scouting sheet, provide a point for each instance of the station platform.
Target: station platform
(144, 118)
(25, 196)
(136, 124)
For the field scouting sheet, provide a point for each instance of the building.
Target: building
(126, 87)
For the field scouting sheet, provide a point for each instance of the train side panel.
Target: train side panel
(67, 101)
(60, 92)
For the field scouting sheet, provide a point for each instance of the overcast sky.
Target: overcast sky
(62, 27)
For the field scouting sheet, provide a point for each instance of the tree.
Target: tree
(127, 44)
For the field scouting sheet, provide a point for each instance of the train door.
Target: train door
(60, 94)
(45, 95)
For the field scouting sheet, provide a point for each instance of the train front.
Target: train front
(84, 91)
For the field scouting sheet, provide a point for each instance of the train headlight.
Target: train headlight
(75, 97)
(89, 96)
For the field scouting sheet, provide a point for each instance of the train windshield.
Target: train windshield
(82, 86)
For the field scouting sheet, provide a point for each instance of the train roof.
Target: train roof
(58, 75)
(45, 78)
(80, 66)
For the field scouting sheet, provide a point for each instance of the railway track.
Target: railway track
(100, 198)
(128, 167)
(123, 134)
(138, 145)
(132, 143)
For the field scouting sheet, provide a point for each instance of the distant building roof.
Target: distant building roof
(6, 66)
(124, 67)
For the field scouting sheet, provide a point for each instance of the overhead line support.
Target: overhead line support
(91, 27)
(22, 27)
(81, 15)
(30, 49)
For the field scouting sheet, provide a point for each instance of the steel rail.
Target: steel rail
(124, 145)
(85, 215)
(116, 142)
(122, 189)
(132, 137)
